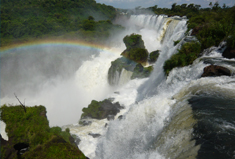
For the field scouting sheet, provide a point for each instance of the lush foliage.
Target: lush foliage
(139, 55)
(153, 56)
(210, 25)
(92, 110)
(185, 56)
(135, 49)
(133, 41)
(100, 110)
(32, 127)
(22, 20)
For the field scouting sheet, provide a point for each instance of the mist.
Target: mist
(65, 78)
(62, 78)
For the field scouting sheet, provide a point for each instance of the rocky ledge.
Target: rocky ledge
(214, 70)
(100, 110)
(29, 135)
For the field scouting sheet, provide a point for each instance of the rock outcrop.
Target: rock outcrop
(214, 70)
(116, 68)
(135, 49)
(101, 110)
(229, 53)
(141, 72)
(29, 136)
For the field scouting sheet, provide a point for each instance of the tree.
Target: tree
(210, 4)
(197, 7)
(191, 6)
(173, 6)
(183, 5)
(224, 6)
(216, 6)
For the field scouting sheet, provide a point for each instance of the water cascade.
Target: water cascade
(178, 116)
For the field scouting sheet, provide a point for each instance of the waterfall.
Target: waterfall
(178, 116)
(124, 77)
(158, 33)
(163, 122)
(132, 136)
(168, 124)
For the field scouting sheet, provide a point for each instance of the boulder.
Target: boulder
(229, 53)
(94, 135)
(214, 70)
(85, 122)
(101, 110)
(110, 117)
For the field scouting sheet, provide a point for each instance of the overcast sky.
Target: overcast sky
(161, 3)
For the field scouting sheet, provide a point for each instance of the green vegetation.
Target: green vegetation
(141, 72)
(135, 49)
(138, 55)
(176, 42)
(100, 110)
(231, 41)
(153, 56)
(210, 25)
(32, 127)
(133, 41)
(28, 20)
(93, 110)
(185, 56)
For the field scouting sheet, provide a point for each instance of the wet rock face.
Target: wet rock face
(141, 72)
(116, 68)
(229, 53)
(214, 70)
(94, 135)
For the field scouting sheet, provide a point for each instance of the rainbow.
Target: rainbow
(48, 43)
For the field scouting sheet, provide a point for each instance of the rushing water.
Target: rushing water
(179, 116)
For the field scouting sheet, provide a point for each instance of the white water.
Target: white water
(147, 130)
(119, 141)
(64, 98)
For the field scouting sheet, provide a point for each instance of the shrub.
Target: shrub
(153, 56)
(138, 55)
(185, 56)
(93, 110)
(133, 41)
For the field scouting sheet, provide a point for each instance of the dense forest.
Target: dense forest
(30, 19)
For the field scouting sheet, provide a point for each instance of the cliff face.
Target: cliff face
(31, 137)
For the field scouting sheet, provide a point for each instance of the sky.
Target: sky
(130, 4)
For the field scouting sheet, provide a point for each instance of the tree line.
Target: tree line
(21, 20)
